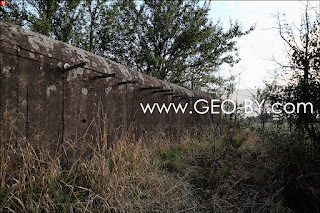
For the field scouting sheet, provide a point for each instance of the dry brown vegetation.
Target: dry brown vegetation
(228, 171)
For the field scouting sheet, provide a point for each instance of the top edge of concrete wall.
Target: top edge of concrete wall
(69, 55)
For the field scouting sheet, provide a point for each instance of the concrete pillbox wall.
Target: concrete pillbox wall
(46, 105)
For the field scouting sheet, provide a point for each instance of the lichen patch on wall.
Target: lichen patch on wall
(84, 91)
(7, 71)
(33, 40)
(50, 89)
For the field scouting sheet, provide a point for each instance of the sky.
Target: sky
(264, 43)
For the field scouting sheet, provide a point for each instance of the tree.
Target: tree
(303, 68)
(170, 40)
(48, 17)
(92, 14)
(75, 21)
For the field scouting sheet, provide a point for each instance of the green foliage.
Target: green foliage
(297, 167)
(303, 76)
(75, 21)
(50, 18)
(170, 40)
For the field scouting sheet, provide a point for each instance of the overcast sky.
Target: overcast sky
(264, 42)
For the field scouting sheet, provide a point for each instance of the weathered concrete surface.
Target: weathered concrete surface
(45, 105)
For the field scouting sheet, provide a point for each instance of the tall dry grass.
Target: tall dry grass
(128, 177)
(218, 171)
